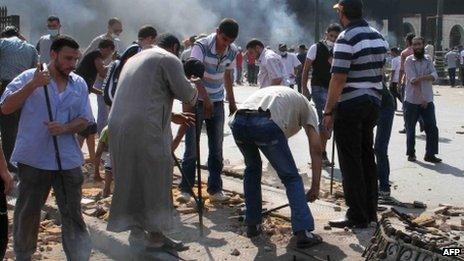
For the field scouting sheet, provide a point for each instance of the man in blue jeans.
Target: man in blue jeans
(264, 123)
(217, 53)
(382, 139)
(420, 73)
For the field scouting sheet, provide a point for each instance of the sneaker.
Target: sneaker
(432, 159)
(218, 197)
(325, 161)
(306, 239)
(254, 230)
(184, 197)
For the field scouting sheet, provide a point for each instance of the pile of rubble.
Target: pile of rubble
(403, 236)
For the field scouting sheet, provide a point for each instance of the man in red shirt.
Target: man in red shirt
(252, 70)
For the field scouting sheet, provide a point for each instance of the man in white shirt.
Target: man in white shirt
(451, 61)
(271, 67)
(395, 74)
(291, 65)
(430, 50)
(45, 42)
(264, 123)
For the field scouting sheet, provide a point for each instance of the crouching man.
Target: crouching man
(264, 123)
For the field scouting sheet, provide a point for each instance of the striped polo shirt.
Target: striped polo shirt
(215, 65)
(360, 52)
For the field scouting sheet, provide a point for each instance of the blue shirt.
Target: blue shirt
(215, 65)
(34, 144)
(360, 52)
(16, 56)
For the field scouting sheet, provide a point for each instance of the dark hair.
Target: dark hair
(302, 46)
(63, 41)
(114, 21)
(192, 39)
(253, 43)
(106, 43)
(147, 31)
(167, 41)
(395, 50)
(229, 27)
(352, 13)
(194, 67)
(334, 28)
(409, 38)
(10, 31)
(419, 38)
(53, 18)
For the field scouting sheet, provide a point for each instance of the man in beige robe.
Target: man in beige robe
(140, 142)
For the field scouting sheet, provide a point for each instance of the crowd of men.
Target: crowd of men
(45, 111)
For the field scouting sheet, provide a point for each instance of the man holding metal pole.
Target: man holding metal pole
(353, 103)
(36, 152)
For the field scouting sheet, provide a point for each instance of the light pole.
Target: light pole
(316, 22)
(439, 30)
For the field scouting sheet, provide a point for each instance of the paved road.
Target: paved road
(433, 184)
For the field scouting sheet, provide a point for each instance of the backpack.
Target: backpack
(112, 76)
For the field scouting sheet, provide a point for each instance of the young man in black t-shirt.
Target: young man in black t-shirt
(319, 58)
(91, 66)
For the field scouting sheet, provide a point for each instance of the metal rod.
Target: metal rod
(198, 126)
(184, 177)
(333, 165)
(55, 140)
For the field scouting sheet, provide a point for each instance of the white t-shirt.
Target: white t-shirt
(312, 52)
(290, 63)
(271, 67)
(461, 57)
(290, 110)
(396, 65)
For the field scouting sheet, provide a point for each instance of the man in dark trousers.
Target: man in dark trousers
(38, 168)
(353, 103)
(319, 58)
(16, 56)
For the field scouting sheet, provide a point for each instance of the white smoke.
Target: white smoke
(269, 20)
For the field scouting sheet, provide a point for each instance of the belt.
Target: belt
(258, 112)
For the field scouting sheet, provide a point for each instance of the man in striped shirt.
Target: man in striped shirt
(353, 104)
(217, 52)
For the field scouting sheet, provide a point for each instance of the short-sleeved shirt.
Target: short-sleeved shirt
(96, 41)
(360, 52)
(16, 56)
(289, 109)
(34, 144)
(87, 68)
(414, 68)
(290, 62)
(43, 47)
(216, 65)
(461, 57)
(395, 67)
(452, 59)
(271, 67)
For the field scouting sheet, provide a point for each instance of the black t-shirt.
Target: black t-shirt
(87, 69)
(302, 57)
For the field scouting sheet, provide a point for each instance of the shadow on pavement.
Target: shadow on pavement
(443, 168)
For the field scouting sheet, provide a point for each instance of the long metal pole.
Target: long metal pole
(317, 32)
(333, 165)
(439, 44)
(198, 126)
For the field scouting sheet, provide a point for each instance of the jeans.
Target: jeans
(215, 132)
(412, 114)
(255, 133)
(252, 73)
(452, 76)
(396, 94)
(9, 130)
(3, 221)
(382, 139)
(102, 117)
(354, 134)
(319, 96)
(34, 187)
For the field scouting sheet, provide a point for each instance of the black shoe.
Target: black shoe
(254, 230)
(412, 158)
(342, 223)
(403, 131)
(306, 239)
(432, 159)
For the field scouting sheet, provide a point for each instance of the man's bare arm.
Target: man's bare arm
(228, 85)
(315, 150)
(337, 83)
(304, 78)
